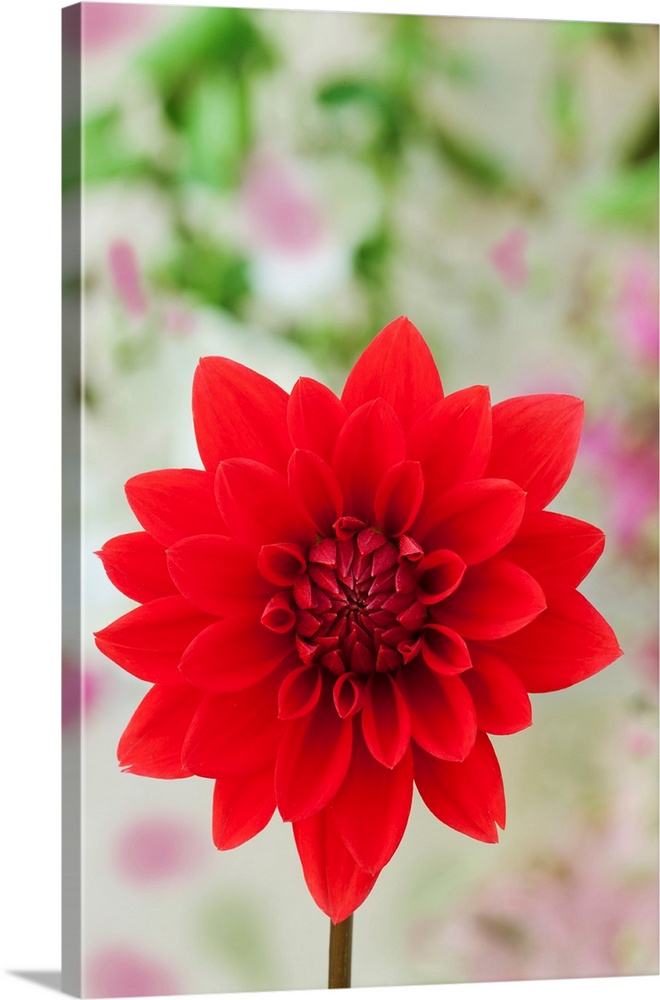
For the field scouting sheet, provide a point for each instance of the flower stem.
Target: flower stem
(339, 964)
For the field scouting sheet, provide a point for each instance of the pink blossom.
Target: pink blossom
(156, 848)
(108, 24)
(125, 274)
(79, 689)
(122, 972)
(638, 323)
(507, 257)
(280, 212)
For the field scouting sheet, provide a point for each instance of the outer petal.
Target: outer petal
(399, 497)
(385, 720)
(556, 549)
(370, 442)
(373, 834)
(233, 654)
(174, 503)
(468, 796)
(242, 807)
(235, 734)
(452, 440)
(397, 366)
(258, 506)
(535, 441)
(441, 710)
(315, 417)
(499, 696)
(494, 599)
(151, 743)
(337, 883)
(313, 759)
(149, 641)
(569, 642)
(238, 413)
(218, 575)
(136, 565)
(474, 519)
(314, 486)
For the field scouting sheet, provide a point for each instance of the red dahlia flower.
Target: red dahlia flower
(348, 598)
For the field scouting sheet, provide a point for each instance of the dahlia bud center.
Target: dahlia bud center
(356, 606)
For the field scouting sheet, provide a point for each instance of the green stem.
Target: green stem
(339, 965)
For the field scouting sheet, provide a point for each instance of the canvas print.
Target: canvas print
(360, 668)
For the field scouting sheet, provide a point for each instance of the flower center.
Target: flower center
(356, 606)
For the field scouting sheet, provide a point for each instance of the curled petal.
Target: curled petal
(439, 575)
(242, 807)
(557, 550)
(279, 615)
(257, 505)
(282, 563)
(314, 486)
(399, 497)
(496, 598)
(453, 438)
(149, 641)
(499, 696)
(398, 367)
(136, 565)
(175, 503)
(218, 574)
(348, 694)
(569, 642)
(535, 441)
(468, 796)
(233, 654)
(152, 741)
(474, 519)
(385, 720)
(299, 692)
(441, 710)
(315, 417)
(236, 733)
(312, 760)
(370, 442)
(337, 883)
(372, 835)
(238, 413)
(444, 650)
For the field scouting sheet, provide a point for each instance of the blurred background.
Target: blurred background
(274, 187)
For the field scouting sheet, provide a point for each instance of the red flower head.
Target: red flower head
(348, 598)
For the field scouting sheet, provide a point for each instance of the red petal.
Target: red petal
(440, 574)
(242, 807)
(557, 550)
(174, 503)
(299, 692)
(535, 440)
(282, 563)
(370, 442)
(441, 711)
(385, 720)
(315, 417)
(501, 701)
(468, 796)
(238, 413)
(348, 694)
(373, 834)
(444, 650)
(218, 575)
(279, 615)
(474, 519)
(149, 641)
(237, 733)
(136, 565)
(569, 642)
(312, 760)
(495, 599)
(152, 741)
(452, 440)
(257, 505)
(337, 883)
(398, 367)
(399, 497)
(233, 654)
(314, 486)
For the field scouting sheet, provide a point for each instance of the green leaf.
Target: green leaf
(209, 273)
(628, 199)
(215, 130)
(471, 161)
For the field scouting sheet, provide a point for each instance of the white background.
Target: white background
(30, 501)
